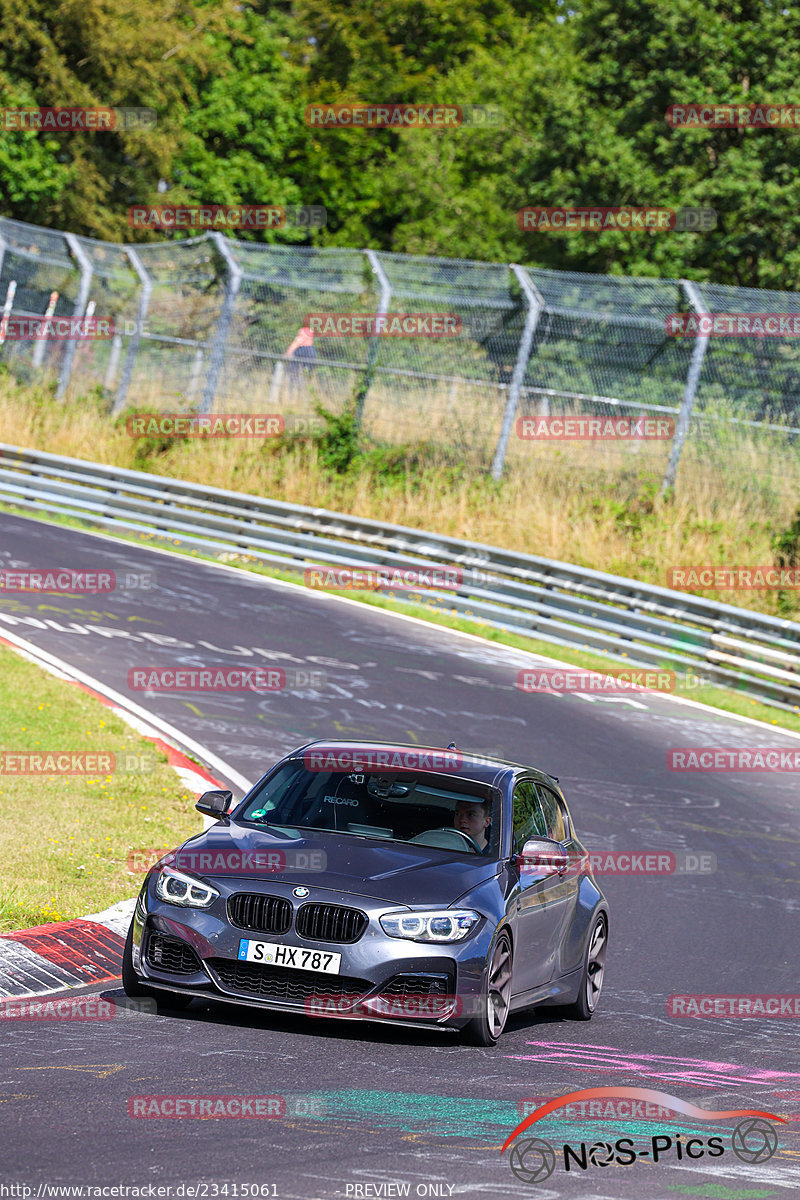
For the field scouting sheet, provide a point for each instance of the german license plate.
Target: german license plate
(273, 954)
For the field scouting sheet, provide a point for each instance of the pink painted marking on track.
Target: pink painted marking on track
(697, 1072)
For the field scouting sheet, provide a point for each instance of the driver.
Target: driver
(473, 817)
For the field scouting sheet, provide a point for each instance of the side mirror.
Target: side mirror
(214, 804)
(542, 857)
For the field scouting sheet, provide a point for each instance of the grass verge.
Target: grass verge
(65, 840)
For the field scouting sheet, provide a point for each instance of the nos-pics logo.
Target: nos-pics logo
(533, 1160)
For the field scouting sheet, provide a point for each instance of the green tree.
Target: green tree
(401, 189)
(102, 53)
(608, 141)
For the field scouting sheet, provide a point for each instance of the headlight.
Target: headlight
(177, 888)
(443, 925)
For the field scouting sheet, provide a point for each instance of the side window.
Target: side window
(553, 815)
(528, 820)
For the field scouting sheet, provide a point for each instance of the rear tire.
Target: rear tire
(138, 991)
(592, 973)
(486, 1028)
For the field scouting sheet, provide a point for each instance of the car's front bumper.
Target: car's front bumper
(380, 978)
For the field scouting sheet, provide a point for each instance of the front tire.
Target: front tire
(138, 991)
(495, 1002)
(592, 973)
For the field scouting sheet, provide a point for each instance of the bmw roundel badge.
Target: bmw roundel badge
(300, 891)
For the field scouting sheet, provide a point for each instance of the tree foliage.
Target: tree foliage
(583, 95)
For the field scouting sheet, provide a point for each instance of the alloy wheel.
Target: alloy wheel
(595, 965)
(499, 991)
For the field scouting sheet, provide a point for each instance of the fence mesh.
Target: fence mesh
(281, 287)
(751, 378)
(202, 324)
(39, 262)
(188, 289)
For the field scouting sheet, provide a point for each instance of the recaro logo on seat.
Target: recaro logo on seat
(340, 800)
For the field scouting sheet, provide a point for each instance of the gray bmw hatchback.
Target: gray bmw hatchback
(386, 882)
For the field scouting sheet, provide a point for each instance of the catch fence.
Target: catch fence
(203, 324)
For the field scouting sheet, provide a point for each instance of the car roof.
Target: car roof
(481, 768)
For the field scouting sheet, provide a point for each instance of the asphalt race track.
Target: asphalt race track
(369, 1109)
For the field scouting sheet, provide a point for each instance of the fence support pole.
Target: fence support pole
(133, 345)
(8, 304)
(384, 301)
(535, 301)
(217, 356)
(275, 385)
(113, 362)
(79, 254)
(3, 245)
(37, 358)
(194, 377)
(689, 391)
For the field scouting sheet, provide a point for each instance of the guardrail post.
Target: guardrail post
(384, 301)
(133, 345)
(217, 356)
(79, 254)
(689, 391)
(535, 301)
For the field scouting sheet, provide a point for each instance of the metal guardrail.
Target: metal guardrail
(639, 623)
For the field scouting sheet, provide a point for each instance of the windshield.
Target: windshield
(453, 815)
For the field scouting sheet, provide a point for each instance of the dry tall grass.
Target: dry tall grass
(595, 504)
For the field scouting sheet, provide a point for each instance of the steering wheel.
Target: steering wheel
(473, 845)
